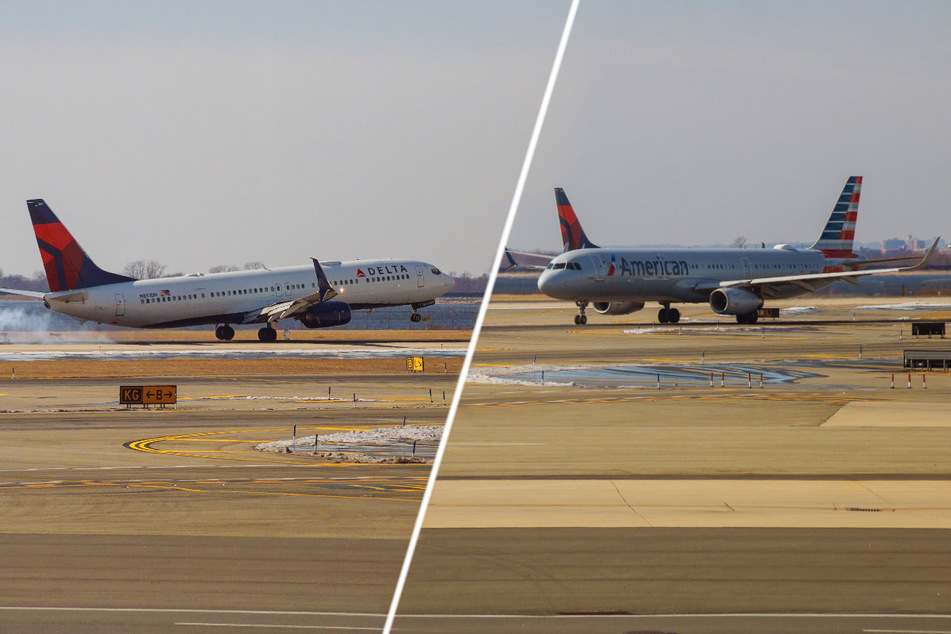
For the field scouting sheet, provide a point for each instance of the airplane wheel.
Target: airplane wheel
(748, 318)
(267, 334)
(415, 317)
(673, 316)
(577, 320)
(218, 334)
(227, 333)
(663, 315)
(584, 319)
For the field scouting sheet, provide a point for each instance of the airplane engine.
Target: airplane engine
(326, 315)
(734, 301)
(617, 308)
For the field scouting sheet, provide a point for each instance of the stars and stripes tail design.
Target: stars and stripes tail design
(836, 238)
(572, 235)
(67, 265)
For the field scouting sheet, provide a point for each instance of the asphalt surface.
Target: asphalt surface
(118, 520)
(517, 539)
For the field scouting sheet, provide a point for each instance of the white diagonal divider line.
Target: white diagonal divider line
(493, 274)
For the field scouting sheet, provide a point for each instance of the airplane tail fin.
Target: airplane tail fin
(572, 235)
(836, 238)
(67, 265)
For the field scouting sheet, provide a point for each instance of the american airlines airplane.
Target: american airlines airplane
(82, 290)
(619, 280)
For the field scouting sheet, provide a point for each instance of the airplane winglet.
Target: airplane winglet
(511, 262)
(925, 260)
(323, 286)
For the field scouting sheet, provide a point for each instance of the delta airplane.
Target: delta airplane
(619, 280)
(82, 290)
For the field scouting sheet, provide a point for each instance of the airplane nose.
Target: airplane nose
(544, 282)
(449, 283)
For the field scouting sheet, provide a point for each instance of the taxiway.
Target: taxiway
(157, 520)
(620, 501)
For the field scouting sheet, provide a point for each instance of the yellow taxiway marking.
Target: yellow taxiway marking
(416, 485)
(721, 395)
(145, 445)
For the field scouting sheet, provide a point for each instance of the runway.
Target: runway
(154, 520)
(607, 502)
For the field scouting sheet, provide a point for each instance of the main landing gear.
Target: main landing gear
(581, 319)
(267, 334)
(224, 333)
(416, 317)
(668, 315)
(747, 318)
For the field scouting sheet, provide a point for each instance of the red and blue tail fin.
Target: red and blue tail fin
(67, 265)
(836, 238)
(572, 235)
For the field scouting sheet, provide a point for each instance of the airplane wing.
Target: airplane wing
(290, 308)
(13, 291)
(813, 281)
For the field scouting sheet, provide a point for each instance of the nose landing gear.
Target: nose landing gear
(581, 319)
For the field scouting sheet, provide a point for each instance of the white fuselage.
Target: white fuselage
(238, 297)
(672, 275)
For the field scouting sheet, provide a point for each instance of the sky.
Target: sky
(683, 123)
(206, 132)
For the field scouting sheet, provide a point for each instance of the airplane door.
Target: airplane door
(747, 269)
(420, 282)
(120, 304)
(598, 268)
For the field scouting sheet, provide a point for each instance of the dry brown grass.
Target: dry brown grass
(216, 367)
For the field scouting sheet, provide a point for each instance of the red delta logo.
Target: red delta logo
(360, 273)
(611, 269)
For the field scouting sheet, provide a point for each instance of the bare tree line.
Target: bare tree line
(151, 269)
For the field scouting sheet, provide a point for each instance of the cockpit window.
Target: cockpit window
(436, 271)
(559, 265)
(574, 266)
(550, 265)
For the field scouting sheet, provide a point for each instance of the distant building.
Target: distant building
(909, 243)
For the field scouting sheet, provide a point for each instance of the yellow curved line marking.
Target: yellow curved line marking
(145, 446)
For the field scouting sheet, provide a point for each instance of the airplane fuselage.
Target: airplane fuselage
(672, 275)
(236, 297)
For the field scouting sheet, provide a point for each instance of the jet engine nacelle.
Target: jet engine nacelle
(734, 301)
(617, 308)
(326, 315)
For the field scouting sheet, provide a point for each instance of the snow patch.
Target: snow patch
(492, 377)
(906, 306)
(397, 434)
